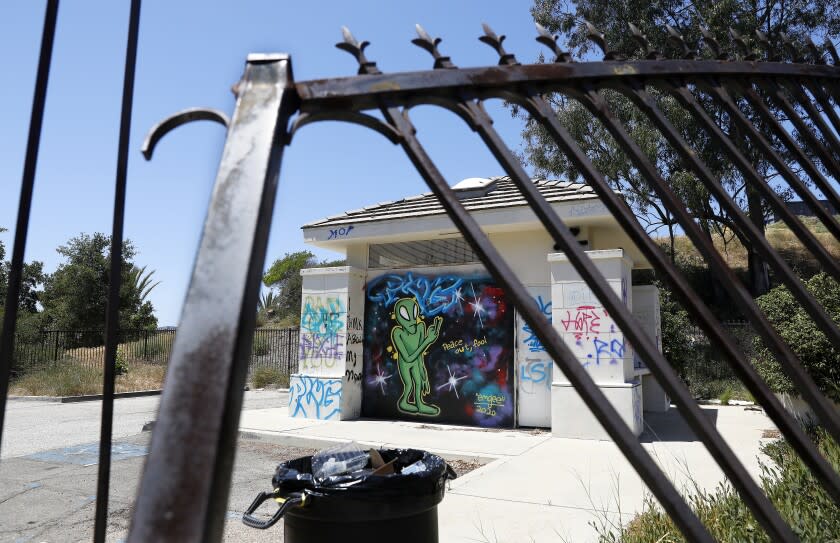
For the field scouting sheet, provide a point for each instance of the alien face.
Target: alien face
(407, 313)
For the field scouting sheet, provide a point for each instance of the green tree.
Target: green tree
(798, 18)
(75, 295)
(818, 355)
(33, 276)
(283, 277)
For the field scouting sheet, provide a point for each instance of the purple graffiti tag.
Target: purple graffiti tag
(317, 349)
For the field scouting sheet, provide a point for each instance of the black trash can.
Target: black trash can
(363, 505)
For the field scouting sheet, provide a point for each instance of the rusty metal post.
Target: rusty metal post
(184, 489)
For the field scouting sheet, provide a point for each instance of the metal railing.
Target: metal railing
(275, 348)
(184, 489)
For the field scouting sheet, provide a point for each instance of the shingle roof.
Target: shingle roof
(501, 193)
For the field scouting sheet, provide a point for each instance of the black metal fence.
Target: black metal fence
(706, 371)
(271, 348)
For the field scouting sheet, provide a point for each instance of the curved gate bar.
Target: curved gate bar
(354, 117)
(828, 110)
(237, 226)
(818, 402)
(813, 172)
(654, 478)
(542, 112)
(657, 482)
(789, 427)
(172, 122)
(363, 92)
(829, 160)
(665, 375)
(690, 103)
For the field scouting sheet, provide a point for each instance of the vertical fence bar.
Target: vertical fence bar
(185, 485)
(112, 317)
(7, 338)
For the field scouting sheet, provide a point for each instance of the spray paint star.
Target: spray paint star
(380, 378)
(459, 297)
(452, 382)
(477, 308)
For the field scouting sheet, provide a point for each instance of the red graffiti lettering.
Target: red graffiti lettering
(584, 321)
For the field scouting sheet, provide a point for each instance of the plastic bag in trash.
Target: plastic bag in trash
(415, 472)
(339, 460)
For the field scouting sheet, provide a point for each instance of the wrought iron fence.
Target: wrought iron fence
(271, 348)
(184, 489)
(706, 371)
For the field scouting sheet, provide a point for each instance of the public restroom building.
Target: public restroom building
(414, 328)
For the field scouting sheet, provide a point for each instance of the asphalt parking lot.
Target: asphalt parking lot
(49, 469)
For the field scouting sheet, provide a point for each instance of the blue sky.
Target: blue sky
(190, 53)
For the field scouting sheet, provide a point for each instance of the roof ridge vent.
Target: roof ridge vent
(474, 187)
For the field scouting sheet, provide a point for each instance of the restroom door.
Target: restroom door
(533, 367)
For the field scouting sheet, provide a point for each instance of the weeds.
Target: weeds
(789, 484)
(68, 378)
(269, 376)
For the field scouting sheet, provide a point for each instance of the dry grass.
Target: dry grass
(69, 378)
(779, 236)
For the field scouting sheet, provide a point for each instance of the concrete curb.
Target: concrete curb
(117, 396)
(35, 398)
(312, 442)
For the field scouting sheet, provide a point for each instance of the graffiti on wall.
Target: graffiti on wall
(531, 340)
(315, 397)
(438, 347)
(322, 332)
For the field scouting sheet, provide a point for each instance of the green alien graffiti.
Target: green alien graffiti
(411, 339)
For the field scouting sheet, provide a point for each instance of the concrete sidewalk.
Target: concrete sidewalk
(535, 487)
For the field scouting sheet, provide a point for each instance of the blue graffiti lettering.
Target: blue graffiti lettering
(315, 398)
(532, 341)
(323, 316)
(340, 232)
(536, 372)
(434, 296)
(612, 350)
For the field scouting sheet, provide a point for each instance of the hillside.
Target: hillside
(780, 238)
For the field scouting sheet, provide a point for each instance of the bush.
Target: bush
(678, 345)
(788, 483)
(120, 363)
(269, 376)
(818, 356)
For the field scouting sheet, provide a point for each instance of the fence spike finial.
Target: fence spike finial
(741, 45)
(764, 41)
(357, 49)
(790, 48)
(816, 55)
(639, 36)
(495, 41)
(712, 44)
(677, 39)
(546, 38)
(425, 41)
(832, 51)
(597, 37)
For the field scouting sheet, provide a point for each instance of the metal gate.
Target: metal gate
(184, 488)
